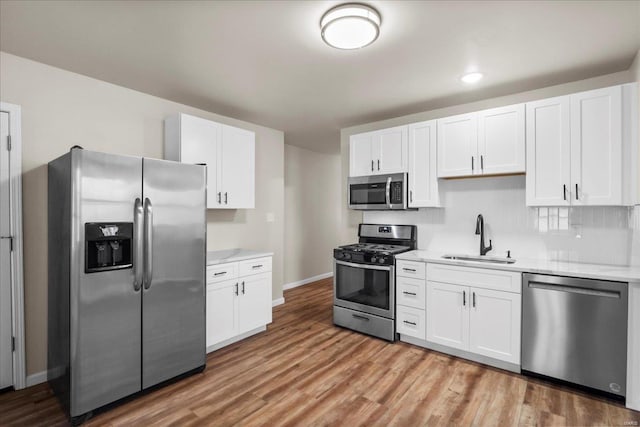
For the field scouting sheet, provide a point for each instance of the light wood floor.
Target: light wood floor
(304, 371)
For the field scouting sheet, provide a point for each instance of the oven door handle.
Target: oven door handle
(388, 192)
(366, 266)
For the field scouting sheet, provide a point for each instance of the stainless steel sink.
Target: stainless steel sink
(479, 258)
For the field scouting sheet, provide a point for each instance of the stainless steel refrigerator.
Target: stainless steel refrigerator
(127, 258)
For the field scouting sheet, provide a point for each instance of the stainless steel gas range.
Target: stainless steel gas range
(364, 279)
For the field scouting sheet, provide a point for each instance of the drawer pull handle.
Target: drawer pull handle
(220, 274)
(357, 316)
(257, 266)
(409, 269)
(409, 323)
(409, 293)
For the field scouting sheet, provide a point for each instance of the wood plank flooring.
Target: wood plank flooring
(306, 372)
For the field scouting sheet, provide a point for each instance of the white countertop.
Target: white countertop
(233, 255)
(591, 271)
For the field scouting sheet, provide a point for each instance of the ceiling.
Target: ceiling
(264, 61)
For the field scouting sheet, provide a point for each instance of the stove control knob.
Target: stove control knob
(381, 260)
(374, 259)
(347, 256)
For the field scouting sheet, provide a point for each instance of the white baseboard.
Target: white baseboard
(237, 338)
(307, 280)
(278, 301)
(37, 378)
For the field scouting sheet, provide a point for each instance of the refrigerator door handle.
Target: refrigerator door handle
(148, 243)
(138, 245)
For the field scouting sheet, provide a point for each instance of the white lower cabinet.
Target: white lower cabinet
(239, 304)
(471, 316)
(410, 321)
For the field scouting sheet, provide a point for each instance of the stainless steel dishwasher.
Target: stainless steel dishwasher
(575, 330)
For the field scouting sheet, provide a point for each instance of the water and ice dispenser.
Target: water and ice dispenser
(107, 246)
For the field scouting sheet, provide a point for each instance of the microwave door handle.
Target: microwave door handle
(388, 192)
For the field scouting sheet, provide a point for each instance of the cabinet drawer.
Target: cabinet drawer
(254, 266)
(410, 269)
(410, 321)
(479, 277)
(410, 292)
(222, 272)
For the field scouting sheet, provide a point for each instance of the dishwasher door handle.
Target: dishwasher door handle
(575, 290)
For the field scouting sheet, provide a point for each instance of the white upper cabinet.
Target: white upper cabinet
(548, 152)
(488, 142)
(228, 152)
(457, 145)
(501, 140)
(379, 152)
(581, 150)
(596, 147)
(423, 179)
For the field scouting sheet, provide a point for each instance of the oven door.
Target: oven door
(378, 192)
(363, 287)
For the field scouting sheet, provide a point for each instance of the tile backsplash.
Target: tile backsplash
(604, 235)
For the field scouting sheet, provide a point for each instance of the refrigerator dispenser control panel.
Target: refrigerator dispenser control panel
(107, 246)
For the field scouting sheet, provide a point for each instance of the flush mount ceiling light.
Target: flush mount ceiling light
(474, 77)
(350, 26)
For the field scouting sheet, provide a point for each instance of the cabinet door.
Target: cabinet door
(548, 152)
(390, 150)
(458, 146)
(221, 312)
(410, 321)
(361, 161)
(448, 315)
(237, 168)
(199, 143)
(494, 329)
(410, 292)
(423, 164)
(596, 147)
(501, 140)
(254, 302)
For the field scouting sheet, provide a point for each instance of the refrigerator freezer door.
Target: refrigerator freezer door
(105, 308)
(173, 302)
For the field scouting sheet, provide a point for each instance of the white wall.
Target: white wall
(312, 212)
(60, 109)
(598, 235)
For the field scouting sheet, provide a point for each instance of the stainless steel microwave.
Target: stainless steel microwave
(378, 192)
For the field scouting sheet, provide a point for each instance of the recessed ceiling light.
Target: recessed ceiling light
(350, 26)
(474, 77)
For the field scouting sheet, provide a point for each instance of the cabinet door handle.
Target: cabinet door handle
(371, 165)
(378, 164)
(219, 197)
(411, 196)
(243, 288)
(226, 198)
(220, 273)
(409, 269)
(236, 289)
(472, 164)
(577, 192)
(482, 162)
(409, 323)
(409, 293)
(257, 266)
(464, 298)
(564, 191)
(474, 299)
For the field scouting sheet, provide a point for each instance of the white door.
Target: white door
(199, 139)
(448, 315)
(221, 312)
(423, 164)
(254, 302)
(361, 161)
(494, 329)
(501, 140)
(458, 145)
(596, 147)
(390, 147)
(6, 352)
(237, 168)
(548, 152)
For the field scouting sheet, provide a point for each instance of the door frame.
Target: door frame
(17, 273)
